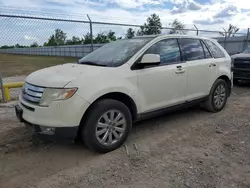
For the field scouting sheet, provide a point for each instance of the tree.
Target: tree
(34, 45)
(231, 31)
(7, 47)
(153, 26)
(103, 38)
(141, 31)
(177, 27)
(17, 45)
(57, 39)
(111, 36)
(20, 46)
(74, 40)
(87, 39)
(130, 33)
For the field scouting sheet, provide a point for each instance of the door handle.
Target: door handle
(180, 71)
(212, 65)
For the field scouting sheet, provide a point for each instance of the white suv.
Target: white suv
(100, 97)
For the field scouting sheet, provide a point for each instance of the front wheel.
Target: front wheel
(107, 125)
(217, 98)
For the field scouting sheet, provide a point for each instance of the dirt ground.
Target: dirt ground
(187, 149)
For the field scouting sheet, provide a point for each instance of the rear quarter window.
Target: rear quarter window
(215, 50)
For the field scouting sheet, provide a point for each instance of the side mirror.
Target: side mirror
(150, 59)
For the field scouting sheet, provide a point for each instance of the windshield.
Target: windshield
(116, 53)
(247, 50)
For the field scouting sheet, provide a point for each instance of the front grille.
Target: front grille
(242, 63)
(32, 93)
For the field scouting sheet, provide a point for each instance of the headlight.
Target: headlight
(50, 95)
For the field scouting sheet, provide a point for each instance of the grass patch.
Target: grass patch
(13, 65)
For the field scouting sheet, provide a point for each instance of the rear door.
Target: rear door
(201, 68)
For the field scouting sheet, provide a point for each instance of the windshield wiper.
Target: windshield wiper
(91, 63)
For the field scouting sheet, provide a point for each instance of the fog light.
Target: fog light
(47, 130)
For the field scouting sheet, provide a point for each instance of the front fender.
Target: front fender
(95, 88)
(122, 90)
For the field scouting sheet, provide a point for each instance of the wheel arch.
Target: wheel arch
(124, 98)
(228, 81)
(119, 96)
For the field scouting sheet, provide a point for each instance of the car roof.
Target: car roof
(171, 36)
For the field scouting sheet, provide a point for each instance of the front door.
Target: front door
(163, 85)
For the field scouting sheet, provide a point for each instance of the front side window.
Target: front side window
(192, 49)
(115, 53)
(168, 50)
(215, 50)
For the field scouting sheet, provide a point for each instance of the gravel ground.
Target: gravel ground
(187, 149)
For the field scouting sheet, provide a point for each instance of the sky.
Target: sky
(205, 14)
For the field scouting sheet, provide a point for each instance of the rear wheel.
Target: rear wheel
(218, 96)
(107, 125)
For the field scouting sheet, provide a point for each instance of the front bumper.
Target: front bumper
(241, 74)
(64, 134)
(63, 113)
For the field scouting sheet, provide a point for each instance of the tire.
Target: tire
(96, 123)
(211, 104)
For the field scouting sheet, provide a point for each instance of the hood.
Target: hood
(61, 75)
(241, 56)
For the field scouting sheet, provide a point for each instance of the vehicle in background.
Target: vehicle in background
(125, 81)
(241, 66)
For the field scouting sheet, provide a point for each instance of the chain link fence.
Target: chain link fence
(33, 35)
(28, 40)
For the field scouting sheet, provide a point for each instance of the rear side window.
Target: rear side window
(207, 53)
(192, 49)
(168, 50)
(215, 50)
